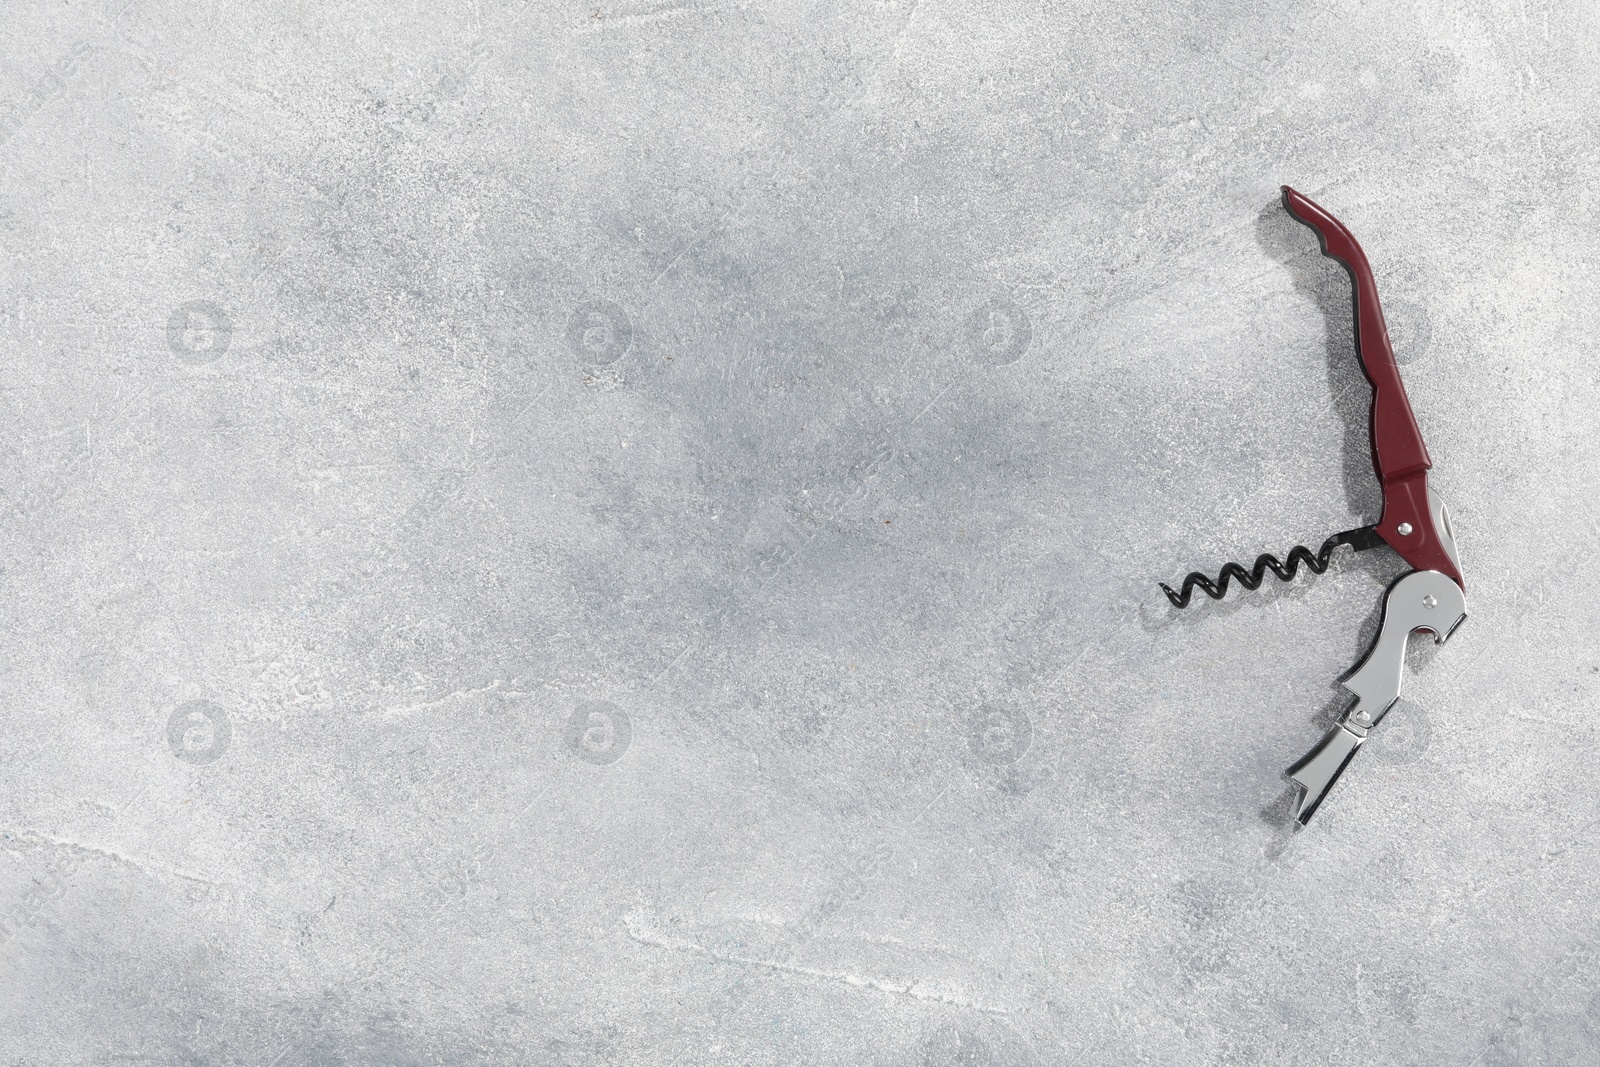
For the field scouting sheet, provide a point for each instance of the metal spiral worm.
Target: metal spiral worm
(1361, 539)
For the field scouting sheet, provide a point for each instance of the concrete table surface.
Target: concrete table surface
(626, 533)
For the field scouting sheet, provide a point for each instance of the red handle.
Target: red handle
(1398, 455)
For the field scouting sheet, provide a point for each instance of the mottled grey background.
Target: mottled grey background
(554, 533)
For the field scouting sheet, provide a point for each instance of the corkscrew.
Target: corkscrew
(1359, 539)
(1414, 523)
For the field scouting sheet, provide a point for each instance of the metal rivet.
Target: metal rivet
(1404, 529)
(1362, 716)
(1430, 601)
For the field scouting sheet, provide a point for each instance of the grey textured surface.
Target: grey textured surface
(545, 533)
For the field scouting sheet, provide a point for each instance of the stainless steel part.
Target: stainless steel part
(1441, 525)
(1320, 768)
(1420, 600)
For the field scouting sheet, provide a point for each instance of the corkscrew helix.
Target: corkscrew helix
(1359, 539)
(1414, 523)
